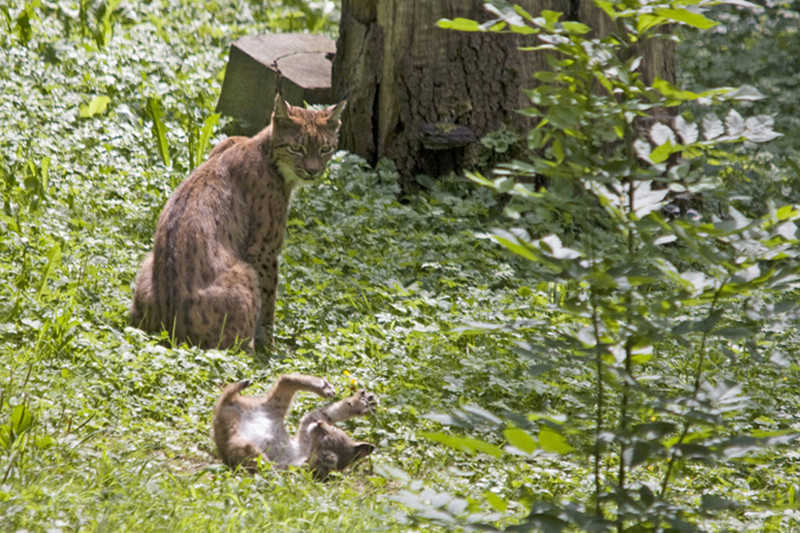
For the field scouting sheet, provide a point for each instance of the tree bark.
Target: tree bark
(423, 96)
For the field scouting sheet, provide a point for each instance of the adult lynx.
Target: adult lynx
(212, 277)
(246, 427)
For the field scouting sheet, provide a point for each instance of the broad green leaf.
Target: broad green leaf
(712, 502)
(670, 91)
(478, 178)
(661, 133)
(552, 441)
(97, 106)
(735, 332)
(512, 243)
(497, 503)
(520, 440)
(460, 24)
(558, 151)
(159, 129)
(576, 28)
(467, 445)
(608, 7)
(21, 419)
(53, 262)
(661, 153)
(688, 131)
(685, 16)
(523, 30)
(647, 22)
(550, 18)
(734, 123)
(712, 127)
(641, 451)
(205, 136)
(786, 212)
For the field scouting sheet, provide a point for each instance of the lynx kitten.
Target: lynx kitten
(213, 273)
(246, 427)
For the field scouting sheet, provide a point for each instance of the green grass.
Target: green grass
(112, 429)
(104, 429)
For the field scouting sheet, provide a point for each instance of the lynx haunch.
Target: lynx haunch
(212, 277)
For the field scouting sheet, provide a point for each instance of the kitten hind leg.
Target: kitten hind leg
(240, 451)
(279, 397)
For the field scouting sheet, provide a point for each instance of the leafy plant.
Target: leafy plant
(21, 24)
(648, 307)
(159, 129)
(389, 295)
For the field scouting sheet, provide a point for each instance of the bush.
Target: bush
(661, 316)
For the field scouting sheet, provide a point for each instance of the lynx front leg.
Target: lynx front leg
(268, 277)
(359, 404)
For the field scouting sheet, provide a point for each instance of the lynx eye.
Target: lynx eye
(298, 149)
(325, 149)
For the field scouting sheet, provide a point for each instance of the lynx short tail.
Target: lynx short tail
(232, 390)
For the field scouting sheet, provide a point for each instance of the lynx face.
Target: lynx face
(333, 449)
(304, 140)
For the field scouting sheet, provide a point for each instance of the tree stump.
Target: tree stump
(248, 90)
(422, 95)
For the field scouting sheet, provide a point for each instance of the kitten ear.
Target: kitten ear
(335, 112)
(281, 108)
(363, 449)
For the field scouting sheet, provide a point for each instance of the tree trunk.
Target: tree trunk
(423, 96)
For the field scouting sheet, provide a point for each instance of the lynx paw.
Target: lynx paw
(326, 390)
(365, 402)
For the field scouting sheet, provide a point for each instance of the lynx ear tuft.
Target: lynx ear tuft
(281, 108)
(363, 449)
(335, 111)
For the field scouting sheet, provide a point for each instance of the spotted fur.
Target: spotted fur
(246, 427)
(212, 277)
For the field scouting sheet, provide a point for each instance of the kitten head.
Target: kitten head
(333, 449)
(303, 140)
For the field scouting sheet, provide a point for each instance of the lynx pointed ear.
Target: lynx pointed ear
(335, 111)
(363, 449)
(281, 108)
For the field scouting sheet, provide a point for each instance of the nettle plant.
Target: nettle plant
(656, 317)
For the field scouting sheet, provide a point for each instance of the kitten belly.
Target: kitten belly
(270, 438)
(260, 429)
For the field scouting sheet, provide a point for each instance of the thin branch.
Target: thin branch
(701, 356)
